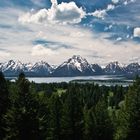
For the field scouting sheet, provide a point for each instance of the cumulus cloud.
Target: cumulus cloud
(136, 32)
(99, 13)
(64, 13)
(38, 17)
(40, 50)
(102, 13)
(84, 41)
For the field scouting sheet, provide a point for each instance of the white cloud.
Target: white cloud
(110, 7)
(119, 39)
(19, 41)
(99, 13)
(102, 13)
(64, 13)
(136, 32)
(54, 2)
(125, 2)
(85, 43)
(40, 50)
(40, 16)
(67, 13)
(115, 1)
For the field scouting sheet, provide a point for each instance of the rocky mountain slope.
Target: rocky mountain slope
(74, 66)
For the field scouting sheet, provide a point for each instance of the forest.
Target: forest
(68, 111)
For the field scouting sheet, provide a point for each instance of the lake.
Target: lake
(68, 79)
(101, 79)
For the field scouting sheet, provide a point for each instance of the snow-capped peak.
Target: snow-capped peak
(114, 64)
(41, 67)
(114, 67)
(12, 65)
(74, 66)
(77, 62)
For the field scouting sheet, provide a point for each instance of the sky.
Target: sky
(101, 31)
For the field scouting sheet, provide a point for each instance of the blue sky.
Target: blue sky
(54, 30)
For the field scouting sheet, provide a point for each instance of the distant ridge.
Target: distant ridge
(74, 66)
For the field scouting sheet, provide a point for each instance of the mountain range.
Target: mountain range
(74, 66)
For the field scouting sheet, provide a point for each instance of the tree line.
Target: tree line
(68, 111)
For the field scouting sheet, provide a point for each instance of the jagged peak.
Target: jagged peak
(42, 63)
(78, 58)
(75, 64)
(134, 64)
(115, 64)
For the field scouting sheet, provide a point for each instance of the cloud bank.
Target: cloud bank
(60, 26)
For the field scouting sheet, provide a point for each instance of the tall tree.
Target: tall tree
(43, 114)
(98, 125)
(4, 102)
(23, 115)
(55, 106)
(129, 115)
(72, 119)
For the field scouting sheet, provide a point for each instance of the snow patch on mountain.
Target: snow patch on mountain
(74, 66)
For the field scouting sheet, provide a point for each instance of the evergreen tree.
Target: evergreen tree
(90, 124)
(129, 115)
(43, 114)
(55, 106)
(98, 125)
(72, 119)
(22, 117)
(4, 102)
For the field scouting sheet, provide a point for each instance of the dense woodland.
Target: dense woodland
(61, 111)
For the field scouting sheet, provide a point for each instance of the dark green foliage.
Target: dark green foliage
(3, 94)
(21, 118)
(98, 125)
(4, 102)
(43, 115)
(129, 115)
(55, 106)
(61, 111)
(72, 123)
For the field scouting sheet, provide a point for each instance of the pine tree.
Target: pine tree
(55, 106)
(72, 119)
(22, 117)
(4, 102)
(90, 124)
(129, 115)
(43, 114)
(98, 125)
